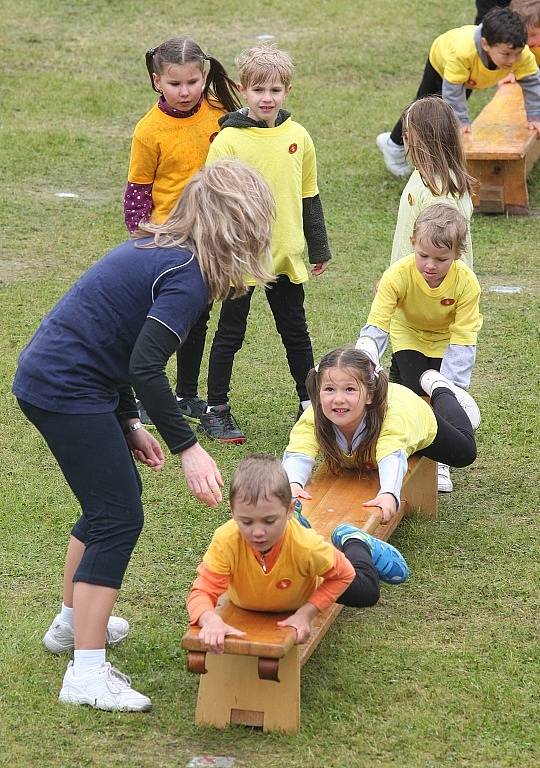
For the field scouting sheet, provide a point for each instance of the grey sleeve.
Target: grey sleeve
(379, 336)
(392, 470)
(315, 230)
(457, 364)
(531, 95)
(298, 467)
(455, 95)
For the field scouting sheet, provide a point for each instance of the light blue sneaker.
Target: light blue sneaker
(388, 561)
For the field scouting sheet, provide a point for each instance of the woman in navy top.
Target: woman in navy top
(114, 330)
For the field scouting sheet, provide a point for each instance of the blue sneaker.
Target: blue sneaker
(388, 561)
(297, 513)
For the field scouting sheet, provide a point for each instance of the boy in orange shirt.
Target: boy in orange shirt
(266, 560)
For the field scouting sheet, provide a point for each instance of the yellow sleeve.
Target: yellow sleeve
(389, 291)
(309, 169)
(526, 64)
(218, 557)
(322, 556)
(219, 149)
(143, 162)
(467, 320)
(302, 438)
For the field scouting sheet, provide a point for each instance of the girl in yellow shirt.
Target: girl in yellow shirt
(358, 421)
(169, 146)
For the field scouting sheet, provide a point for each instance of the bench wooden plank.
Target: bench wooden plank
(500, 152)
(257, 679)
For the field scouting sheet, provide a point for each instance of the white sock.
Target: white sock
(304, 404)
(86, 661)
(179, 399)
(66, 615)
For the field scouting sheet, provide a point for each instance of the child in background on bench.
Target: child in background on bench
(267, 561)
(428, 304)
(433, 144)
(472, 57)
(358, 421)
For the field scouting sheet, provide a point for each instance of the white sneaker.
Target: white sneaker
(430, 380)
(444, 481)
(103, 688)
(59, 637)
(394, 155)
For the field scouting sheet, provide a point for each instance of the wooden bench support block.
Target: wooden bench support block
(232, 692)
(500, 153)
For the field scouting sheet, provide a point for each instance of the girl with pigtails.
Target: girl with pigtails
(358, 421)
(170, 144)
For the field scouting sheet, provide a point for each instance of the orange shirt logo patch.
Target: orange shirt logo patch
(283, 584)
(213, 136)
(447, 302)
(410, 199)
(293, 148)
(471, 83)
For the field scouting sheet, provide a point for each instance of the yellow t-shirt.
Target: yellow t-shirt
(423, 318)
(409, 425)
(285, 157)
(415, 197)
(304, 557)
(536, 53)
(455, 57)
(166, 151)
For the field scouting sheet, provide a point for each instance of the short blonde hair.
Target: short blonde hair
(263, 63)
(257, 478)
(443, 226)
(225, 214)
(529, 10)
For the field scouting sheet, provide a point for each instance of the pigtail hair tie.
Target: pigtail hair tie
(150, 51)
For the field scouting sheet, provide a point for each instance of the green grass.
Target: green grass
(445, 670)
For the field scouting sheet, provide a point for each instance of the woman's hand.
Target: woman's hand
(298, 492)
(387, 504)
(319, 268)
(146, 449)
(202, 475)
(214, 630)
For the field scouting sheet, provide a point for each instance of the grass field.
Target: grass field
(445, 670)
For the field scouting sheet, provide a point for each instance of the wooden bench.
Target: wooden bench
(256, 681)
(500, 153)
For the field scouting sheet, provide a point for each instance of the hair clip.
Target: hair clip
(316, 368)
(150, 51)
(376, 370)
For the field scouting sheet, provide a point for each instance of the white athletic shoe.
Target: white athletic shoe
(103, 688)
(430, 380)
(59, 637)
(394, 155)
(444, 481)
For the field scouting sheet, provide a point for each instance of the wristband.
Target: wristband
(133, 427)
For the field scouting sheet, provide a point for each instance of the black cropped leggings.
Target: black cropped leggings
(95, 459)
(364, 590)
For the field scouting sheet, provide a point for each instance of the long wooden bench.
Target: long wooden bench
(500, 153)
(256, 681)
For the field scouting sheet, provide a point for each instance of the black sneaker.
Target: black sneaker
(143, 416)
(220, 425)
(191, 407)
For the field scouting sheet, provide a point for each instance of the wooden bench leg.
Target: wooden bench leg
(232, 692)
(420, 492)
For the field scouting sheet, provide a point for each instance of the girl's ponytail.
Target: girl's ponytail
(219, 86)
(149, 59)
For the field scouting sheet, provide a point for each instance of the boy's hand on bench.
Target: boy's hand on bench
(214, 630)
(298, 492)
(534, 125)
(386, 503)
(301, 621)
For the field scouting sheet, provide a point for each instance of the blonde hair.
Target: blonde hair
(443, 226)
(375, 385)
(529, 10)
(263, 63)
(259, 477)
(435, 148)
(225, 214)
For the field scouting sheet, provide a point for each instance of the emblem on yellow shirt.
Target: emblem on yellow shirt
(471, 83)
(293, 148)
(447, 302)
(410, 199)
(213, 136)
(283, 584)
